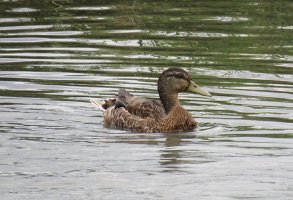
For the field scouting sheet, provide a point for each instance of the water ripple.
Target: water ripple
(56, 55)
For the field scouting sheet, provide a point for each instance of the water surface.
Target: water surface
(56, 55)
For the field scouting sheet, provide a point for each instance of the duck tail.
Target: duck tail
(97, 104)
(104, 106)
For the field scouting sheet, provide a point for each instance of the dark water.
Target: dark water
(56, 55)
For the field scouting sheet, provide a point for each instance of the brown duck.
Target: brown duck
(139, 114)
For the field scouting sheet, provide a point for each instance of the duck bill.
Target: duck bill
(196, 89)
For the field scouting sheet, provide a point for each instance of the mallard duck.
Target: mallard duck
(139, 114)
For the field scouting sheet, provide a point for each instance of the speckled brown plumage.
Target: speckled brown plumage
(139, 114)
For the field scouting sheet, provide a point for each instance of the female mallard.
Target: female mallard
(145, 115)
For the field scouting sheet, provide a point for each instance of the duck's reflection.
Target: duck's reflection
(172, 155)
(176, 150)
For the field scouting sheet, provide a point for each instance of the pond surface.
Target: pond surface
(56, 55)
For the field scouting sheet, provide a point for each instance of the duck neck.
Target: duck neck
(169, 100)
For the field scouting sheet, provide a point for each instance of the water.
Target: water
(56, 55)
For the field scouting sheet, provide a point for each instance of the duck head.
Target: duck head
(173, 81)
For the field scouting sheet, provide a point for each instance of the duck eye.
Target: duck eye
(179, 76)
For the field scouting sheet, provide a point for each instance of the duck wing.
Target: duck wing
(140, 106)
